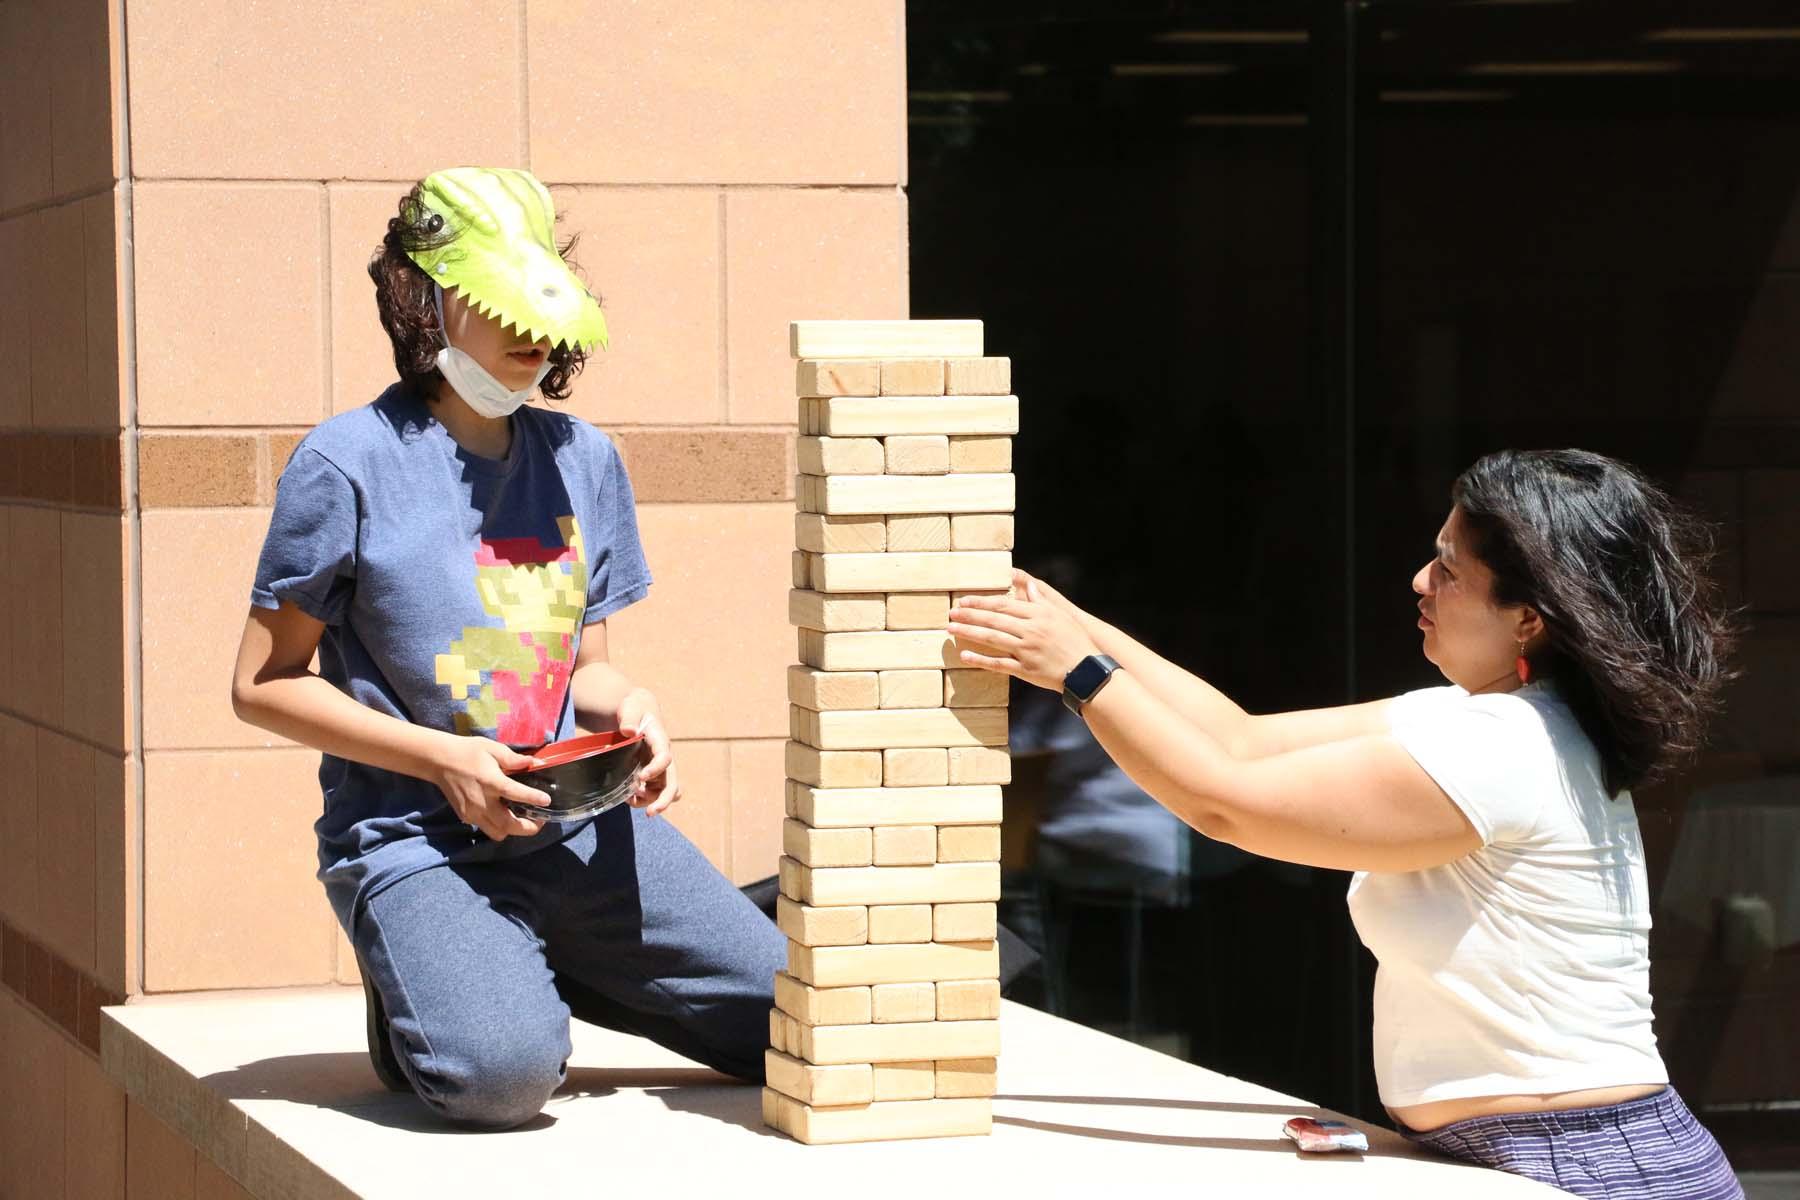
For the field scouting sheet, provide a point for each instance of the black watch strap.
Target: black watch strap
(1085, 680)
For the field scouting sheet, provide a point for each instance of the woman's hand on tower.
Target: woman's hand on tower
(658, 787)
(1038, 638)
(472, 775)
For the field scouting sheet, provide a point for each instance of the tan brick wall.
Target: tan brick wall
(704, 226)
(729, 166)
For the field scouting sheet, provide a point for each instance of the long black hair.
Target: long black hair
(1637, 639)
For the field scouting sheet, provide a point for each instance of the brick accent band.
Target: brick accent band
(240, 468)
(62, 468)
(68, 997)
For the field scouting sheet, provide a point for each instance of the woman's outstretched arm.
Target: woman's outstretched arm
(1354, 803)
(1240, 734)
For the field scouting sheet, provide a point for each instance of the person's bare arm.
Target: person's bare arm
(1240, 734)
(605, 699)
(1357, 804)
(273, 687)
(1351, 803)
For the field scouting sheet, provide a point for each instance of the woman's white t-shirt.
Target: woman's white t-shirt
(1523, 968)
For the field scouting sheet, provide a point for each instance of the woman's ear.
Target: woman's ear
(1530, 625)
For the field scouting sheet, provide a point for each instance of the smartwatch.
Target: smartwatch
(1084, 682)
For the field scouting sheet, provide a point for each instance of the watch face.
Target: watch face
(1086, 678)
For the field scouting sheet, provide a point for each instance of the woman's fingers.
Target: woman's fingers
(1010, 605)
(983, 638)
(1006, 666)
(998, 620)
(671, 792)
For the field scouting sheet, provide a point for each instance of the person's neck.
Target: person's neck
(487, 437)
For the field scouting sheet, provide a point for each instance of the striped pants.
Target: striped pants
(1648, 1149)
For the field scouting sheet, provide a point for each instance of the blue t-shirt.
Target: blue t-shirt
(453, 589)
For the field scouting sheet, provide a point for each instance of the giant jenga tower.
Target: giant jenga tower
(886, 1022)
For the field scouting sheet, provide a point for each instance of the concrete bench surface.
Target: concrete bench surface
(275, 1086)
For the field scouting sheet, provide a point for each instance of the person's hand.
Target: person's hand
(657, 787)
(1034, 638)
(471, 773)
(1026, 586)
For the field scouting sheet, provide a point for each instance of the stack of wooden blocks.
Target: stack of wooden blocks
(886, 1022)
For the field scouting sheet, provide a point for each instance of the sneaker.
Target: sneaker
(381, 1041)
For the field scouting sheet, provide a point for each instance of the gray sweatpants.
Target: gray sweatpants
(624, 925)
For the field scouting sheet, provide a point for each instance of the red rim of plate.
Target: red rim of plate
(586, 746)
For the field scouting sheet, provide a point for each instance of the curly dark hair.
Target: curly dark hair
(1637, 639)
(403, 299)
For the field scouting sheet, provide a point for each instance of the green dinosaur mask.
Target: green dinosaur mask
(502, 257)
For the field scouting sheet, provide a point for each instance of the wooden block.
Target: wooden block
(961, 1077)
(908, 846)
(833, 689)
(946, 883)
(778, 1030)
(884, 339)
(833, 769)
(807, 416)
(919, 532)
(822, 534)
(890, 924)
(966, 999)
(917, 454)
(908, 572)
(842, 1083)
(828, 377)
(838, 611)
(970, 689)
(802, 569)
(892, 1120)
(979, 454)
(964, 922)
(792, 879)
(975, 764)
(893, 728)
(957, 598)
(964, 843)
(864, 495)
(981, 531)
(827, 847)
(977, 376)
(903, 1042)
(905, 1081)
(771, 1108)
(912, 377)
(918, 766)
(918, 610)
(797, 728)
(844, 456)
(845, 925)
(829, 1006)
(788, 1109)
(785, 1032)
(897, 1002)
(911, 689)
(887, 416)
(875, 806)
(881, 650)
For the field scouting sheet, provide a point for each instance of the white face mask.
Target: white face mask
(474, 382)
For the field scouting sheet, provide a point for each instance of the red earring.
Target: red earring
(1523, 665)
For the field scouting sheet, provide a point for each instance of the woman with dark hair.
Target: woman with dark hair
(1499, 873)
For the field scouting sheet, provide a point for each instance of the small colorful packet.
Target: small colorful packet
(1325, 1137)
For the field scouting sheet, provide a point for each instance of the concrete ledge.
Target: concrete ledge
(276, 1088)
